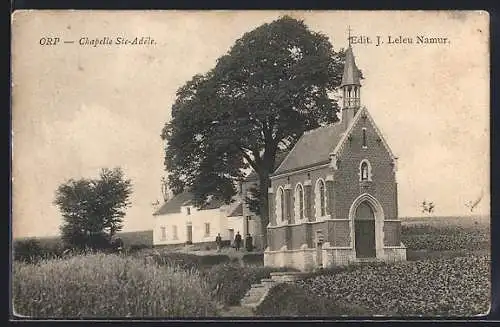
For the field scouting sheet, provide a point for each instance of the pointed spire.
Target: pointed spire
(351, 72)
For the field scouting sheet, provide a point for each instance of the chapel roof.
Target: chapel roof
(280, 156)
(315, 146)
(312, 148)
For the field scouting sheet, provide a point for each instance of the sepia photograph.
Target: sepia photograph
(206, 164)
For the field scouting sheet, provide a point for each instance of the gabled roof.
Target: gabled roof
(357, 117)
(183, 199)
(316, 146)
(236, 211)
(351, 71)
(312, 148)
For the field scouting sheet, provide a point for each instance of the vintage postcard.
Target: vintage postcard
(198, 164)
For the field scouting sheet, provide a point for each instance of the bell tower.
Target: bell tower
(350, 86)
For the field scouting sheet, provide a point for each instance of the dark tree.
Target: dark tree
(427, 207)
(274, 83)
(93, 209)
(27, 250)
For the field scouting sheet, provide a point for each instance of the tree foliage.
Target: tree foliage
(273, 84)
(427, 207)
(93, 209)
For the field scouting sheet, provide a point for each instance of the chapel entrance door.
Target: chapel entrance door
(231, 235)
(364, 226)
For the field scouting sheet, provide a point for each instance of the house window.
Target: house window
(174, 232)
(365, 171)
(320, 198)
(364, 138)
(163, 233)
(299, 201)
(207, 229)
(188, 211)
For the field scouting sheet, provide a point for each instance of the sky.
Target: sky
(77, 109)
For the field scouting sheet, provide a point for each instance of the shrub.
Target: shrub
(230, 282)
(27, 250)
(32, 250)
(253, 258)
(109, 285)
(137, 247)
(293, 300)
(189, 261)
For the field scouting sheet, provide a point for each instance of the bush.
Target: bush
(108, 286)
(230, 282)
(32, 250)
(253, 258)
(189, 261)
(27, 250)
(137, 247)
(293, 300)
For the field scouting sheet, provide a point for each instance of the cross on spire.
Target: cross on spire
(349, 34)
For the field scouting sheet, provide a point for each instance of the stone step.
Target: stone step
(253, 295)
(257, 290)
(250, 300)
(254, 299)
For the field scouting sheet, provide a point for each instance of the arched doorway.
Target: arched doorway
(364, 229)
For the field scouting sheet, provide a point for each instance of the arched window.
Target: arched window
(320, 203)
(365, 171)
(299, 202)
(280, 205)
(364, 138)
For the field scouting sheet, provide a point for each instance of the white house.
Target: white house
(177, 222)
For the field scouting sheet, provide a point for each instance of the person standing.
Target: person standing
(248, 243)
(237, 241)
(218, 242)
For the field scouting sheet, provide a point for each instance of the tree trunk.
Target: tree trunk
(264, 207)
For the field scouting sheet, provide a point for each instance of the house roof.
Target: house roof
(312, 148)
(236, 211)
(186, 198)
(351, 71)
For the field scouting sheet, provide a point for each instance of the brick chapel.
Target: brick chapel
(333, 199)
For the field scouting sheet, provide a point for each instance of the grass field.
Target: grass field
(129, 238)
(447, 274)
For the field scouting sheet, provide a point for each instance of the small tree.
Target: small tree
(427, 207)
(471, 205)
(93, 209)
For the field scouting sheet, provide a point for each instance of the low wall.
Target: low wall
(303, 259)
(308, 259)
(200, 245)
